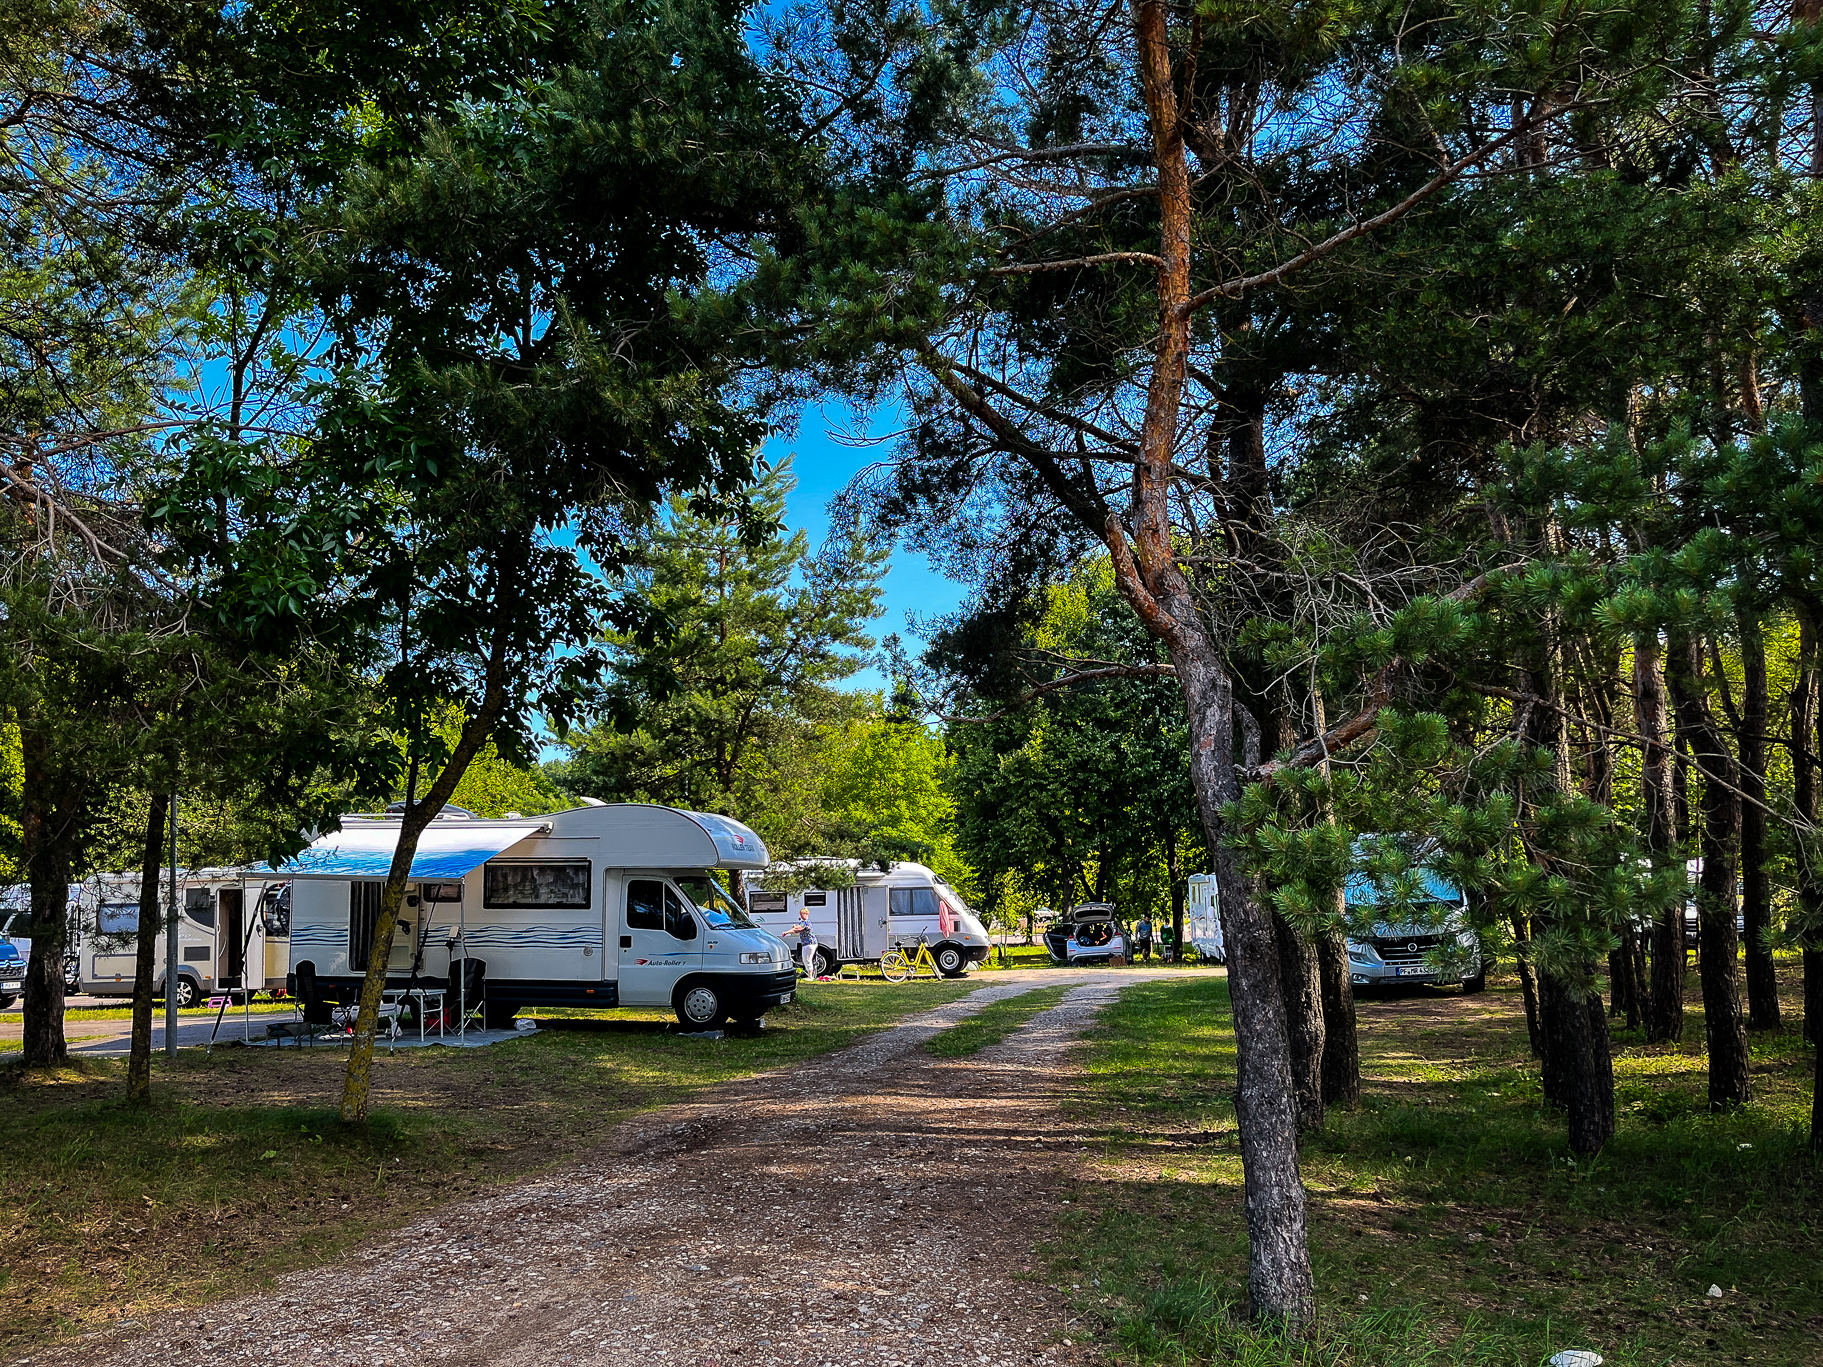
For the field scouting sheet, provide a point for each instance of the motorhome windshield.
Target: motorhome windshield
(713, 901)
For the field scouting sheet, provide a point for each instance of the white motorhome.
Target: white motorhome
(599, 906)
(225, 937)
(885, 907)
(1203, 920)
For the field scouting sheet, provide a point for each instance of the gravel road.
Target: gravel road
(824, 1214)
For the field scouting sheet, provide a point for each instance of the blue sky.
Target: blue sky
(824, 464)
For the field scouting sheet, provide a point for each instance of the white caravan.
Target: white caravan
(1203, 920)
(227, 940)
(599, 906)
(884, 908)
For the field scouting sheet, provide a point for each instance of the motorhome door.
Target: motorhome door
(660, 940)
(230, 938)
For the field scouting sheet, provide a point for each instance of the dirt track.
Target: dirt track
(821, 1215)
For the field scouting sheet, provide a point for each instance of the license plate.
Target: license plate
(1413, 971)
(786, 999)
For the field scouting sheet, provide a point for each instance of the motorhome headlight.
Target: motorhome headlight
(758, 957)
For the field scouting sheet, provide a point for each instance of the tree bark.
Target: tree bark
(1665, 1002)
(1756, 885)
(1579, 1071)
(1718, 945)
(1528, 987)
(44, 830)
(145, 957)
(1341, 1047)
(1805, 738)
(1303, 982)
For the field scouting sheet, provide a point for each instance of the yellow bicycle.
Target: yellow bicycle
(897, 965)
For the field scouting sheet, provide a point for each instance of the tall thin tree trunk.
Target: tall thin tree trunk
(1805, 740)
(145, 956)
(1665, 1004)
(1341, 1047)
(1579, 1073)
(1303, 981)
(45, 840)
(1528, 985)
(1718, 945)
(1756, 884)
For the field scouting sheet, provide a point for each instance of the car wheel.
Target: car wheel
(950, 961)
(1478, 983)
(699, 1006)
(6, 1003)
(188, 992)
(72, 975)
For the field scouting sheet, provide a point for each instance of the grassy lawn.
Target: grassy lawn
(240, 1170)
(1449, 1222)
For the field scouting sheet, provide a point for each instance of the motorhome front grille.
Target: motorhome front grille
(1409, 949)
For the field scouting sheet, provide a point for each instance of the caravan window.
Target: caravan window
(505, 886)
(645, 904)
(914, 902)
(117, 918)
(199, 906)
(363, 916)
(679, 923)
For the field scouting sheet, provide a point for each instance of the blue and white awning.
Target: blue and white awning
(364, 849)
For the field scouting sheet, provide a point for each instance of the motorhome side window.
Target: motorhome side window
(678, 921)
(816, 899)
(505, 886)
(765, 903)
(117, 918)
(645, 904)
(914, 902)
(363, 915)
(652, 905)
(199, 906)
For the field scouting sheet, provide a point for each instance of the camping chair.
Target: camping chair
(466, 997)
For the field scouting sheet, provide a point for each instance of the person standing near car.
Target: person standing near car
(807, 943)
(1143, 933)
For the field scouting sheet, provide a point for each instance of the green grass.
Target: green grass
(994, 1023)
(240, 1171)
(1449, 1222)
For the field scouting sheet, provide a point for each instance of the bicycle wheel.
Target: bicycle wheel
(894, 967)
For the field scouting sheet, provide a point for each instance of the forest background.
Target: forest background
(1381, 442)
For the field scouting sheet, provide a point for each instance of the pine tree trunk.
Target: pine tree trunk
(1279, 1282)
(1718, 945)
(1578, 1067)
(1341, 1047)
(1805, 797)
(44, 837)
(1301, 977)
(1756, 885)
(1528, 988)
(145, 957)
(1665, 1001)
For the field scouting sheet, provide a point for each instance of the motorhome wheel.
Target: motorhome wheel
(72, 974)
(821, 964)
(699, 1006)
(950, 962)
(189, 992)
